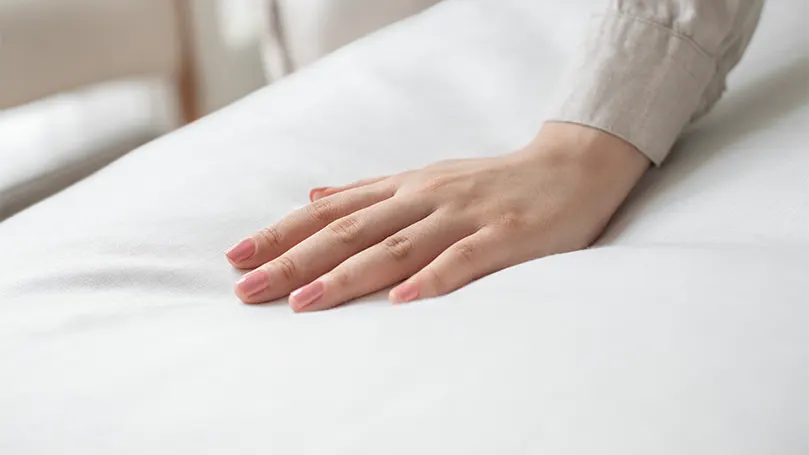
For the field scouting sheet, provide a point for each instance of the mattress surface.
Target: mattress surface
(684, 330)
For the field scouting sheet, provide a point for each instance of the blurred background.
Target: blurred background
(83, 82)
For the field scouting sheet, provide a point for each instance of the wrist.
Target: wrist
(593, 151)
(599, 168)
(592, 146)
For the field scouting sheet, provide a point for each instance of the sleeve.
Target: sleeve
(650, 67)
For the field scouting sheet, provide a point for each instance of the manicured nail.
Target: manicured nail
(404, 293)
(306, 295)
(253, 283)
(314, 193)
(243, 251)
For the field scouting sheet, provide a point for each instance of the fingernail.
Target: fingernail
(313, 194)
(306, 295)
(243, 251)
(404, 293)
(253, 283)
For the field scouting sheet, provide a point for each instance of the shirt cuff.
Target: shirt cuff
(639, 81)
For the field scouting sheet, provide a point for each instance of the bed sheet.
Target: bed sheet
(684, 330)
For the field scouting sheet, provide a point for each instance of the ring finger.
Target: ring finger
(386, 263)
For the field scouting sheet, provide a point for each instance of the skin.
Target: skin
(433, 230)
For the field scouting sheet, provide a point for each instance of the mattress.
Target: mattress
(683, 330)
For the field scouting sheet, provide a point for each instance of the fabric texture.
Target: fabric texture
(651, 67)
(682, 331)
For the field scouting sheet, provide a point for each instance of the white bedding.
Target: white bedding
(683, 331)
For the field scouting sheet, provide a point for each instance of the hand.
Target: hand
(443, 226)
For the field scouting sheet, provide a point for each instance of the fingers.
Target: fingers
(320, 193)
(329, 247)
(386, 263)
(465, 261)
(269, 243)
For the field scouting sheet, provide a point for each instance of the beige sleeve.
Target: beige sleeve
(650, 67)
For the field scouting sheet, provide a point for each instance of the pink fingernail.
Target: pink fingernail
(253, 283)
(314, 192)
(404, 293)
(243, 251)
(306, 295)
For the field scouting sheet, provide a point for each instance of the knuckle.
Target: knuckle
(346, 230)
(435, 183)
(322, 210)
(511, 221)
(434, 280)
(341, 278)
(399, 247)
(466, 251)
(271, 236)
(287, 267)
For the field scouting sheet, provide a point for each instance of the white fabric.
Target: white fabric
(51, 143)
(685, 331)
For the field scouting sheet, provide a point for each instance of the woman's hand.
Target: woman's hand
(443, 226)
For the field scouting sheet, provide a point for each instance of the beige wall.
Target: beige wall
(48, 46)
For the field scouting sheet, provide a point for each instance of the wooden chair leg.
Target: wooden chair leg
(187, 82)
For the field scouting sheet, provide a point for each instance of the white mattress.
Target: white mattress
(683, 331)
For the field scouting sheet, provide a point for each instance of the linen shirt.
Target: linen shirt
(650, 67)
